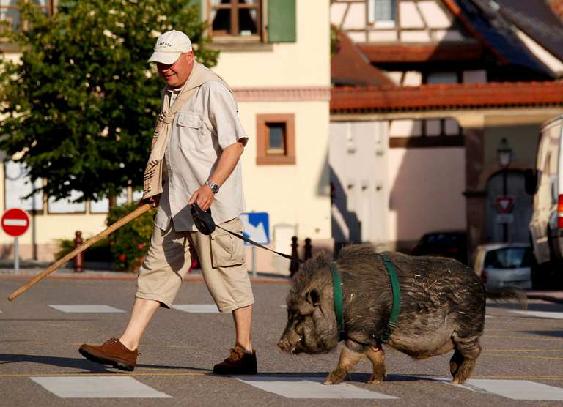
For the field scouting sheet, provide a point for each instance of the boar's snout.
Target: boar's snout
(284, 345)
(290, 341)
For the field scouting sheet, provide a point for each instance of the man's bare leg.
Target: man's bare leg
(141, 315)
(243, 326)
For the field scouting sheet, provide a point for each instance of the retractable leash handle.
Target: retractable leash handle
(53, 267)
(205, 224)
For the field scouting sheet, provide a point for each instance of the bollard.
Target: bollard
(308, 252)
(79, 259)
(294, 263)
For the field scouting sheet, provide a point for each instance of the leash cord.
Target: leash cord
(246, 239)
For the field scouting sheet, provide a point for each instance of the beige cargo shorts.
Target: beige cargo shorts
(222, 260)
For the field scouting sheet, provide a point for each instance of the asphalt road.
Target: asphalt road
(40, 365)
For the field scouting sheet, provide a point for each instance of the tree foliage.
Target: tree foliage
(130, 243)
(80, 106)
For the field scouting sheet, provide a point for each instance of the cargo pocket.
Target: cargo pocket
(226, 249)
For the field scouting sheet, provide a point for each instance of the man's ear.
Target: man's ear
(313, 297)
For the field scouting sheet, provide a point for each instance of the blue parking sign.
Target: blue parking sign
(256, 226)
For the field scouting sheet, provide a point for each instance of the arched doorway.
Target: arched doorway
(512, 225)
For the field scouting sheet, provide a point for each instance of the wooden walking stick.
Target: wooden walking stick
(53, 267)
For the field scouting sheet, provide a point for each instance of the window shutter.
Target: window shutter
(281, 21)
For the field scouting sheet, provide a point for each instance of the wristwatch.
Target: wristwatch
(214, 187)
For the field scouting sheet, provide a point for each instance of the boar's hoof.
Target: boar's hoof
(375, 379)
(336, 376)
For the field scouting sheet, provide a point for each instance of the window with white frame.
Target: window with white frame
(17, 186)
(126, 196)
(67, 205)
(382, 12)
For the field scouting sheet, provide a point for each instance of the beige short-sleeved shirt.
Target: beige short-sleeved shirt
(206, 124)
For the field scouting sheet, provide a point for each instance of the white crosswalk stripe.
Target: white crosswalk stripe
(197, 308)
(539, 314)
(291, 387)
(517, 389)
(311, 388)
(87, 309)
(98, 387)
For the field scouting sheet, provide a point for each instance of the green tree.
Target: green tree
(80, 106)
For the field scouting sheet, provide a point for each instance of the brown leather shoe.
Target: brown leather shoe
(239, 362)
(111, 352)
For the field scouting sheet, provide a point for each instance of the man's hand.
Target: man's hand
(152, 201)
(203, 196)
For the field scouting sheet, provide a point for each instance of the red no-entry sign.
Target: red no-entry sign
(15, 222)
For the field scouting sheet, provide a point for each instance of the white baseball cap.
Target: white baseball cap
(169, 46)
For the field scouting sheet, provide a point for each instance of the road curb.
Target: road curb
(546, 297)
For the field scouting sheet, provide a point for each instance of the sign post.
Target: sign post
(15, 222)
(256, 226)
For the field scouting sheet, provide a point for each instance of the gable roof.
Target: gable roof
(349, 66)
(482, 19)
(538, 20)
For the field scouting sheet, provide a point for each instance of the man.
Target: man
(194, 159)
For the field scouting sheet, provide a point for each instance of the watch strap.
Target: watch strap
(214, 187)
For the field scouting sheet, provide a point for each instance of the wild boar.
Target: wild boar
(442, 308)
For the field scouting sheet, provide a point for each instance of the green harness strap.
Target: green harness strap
(396, 301)
(337, 289)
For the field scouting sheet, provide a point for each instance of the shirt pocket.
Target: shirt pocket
(194, 132)
(190, 120)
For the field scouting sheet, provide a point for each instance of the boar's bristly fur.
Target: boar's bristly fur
(442, 309)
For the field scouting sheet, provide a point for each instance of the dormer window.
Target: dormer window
(382, 12)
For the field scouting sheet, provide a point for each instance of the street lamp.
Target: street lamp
(504, 155)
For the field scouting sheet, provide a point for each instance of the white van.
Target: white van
(546, 225)
(501, 265)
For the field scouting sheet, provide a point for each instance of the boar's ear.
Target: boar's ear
(313, 297)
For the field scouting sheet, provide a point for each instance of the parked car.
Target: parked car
(546, 224)
(451, 243)
(501, 265)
